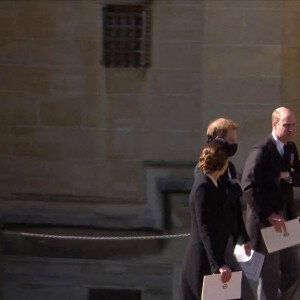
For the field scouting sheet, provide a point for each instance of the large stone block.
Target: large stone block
(241, 61)
(245, 4)
(35, 143)
(7, 19)
(7, 178)
(91, 177)
(139, 278)
(15, 51)
(6, 142)
(29, 14)
(25, 78)
(124, 180)
(6, 108)
(156, 295)
(18, 109)
(237, 91)
(51, 79)
(74, 144)
(95, 80)
(183, 55)
(123, 143)
(91, 25)
(178, 21)
(291, 19)
(14, 78)
(224, 26)
(290, 62)
(126, 111)
(173, 112)
(83, 144)
(39, 80)
(172, 145)
(93, 110)
(152, 277)
(65, 52)
(175, 82)
(61, 112)
(263, 26)
(127, 81)
(38, 135)
(25, 109)
(44, 292)
(108, 178)
(38, 176)
(66, 19)
(64, 80)
(290, 90)
(68, 79)
(45, 151)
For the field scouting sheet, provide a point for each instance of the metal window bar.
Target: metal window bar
(126, 37)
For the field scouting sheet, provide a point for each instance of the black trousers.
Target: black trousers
(280, 271)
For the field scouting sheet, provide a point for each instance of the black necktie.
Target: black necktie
(284, 150)
(286, 155)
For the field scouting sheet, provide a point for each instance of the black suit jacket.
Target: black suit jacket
(233, 192)
(264, 192)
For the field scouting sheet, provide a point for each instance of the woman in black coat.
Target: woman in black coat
(210, 248)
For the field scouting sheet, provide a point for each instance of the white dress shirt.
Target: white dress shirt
(279, 144)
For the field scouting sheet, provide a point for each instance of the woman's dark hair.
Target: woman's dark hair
(213, 157)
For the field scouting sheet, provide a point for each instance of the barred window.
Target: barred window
(126, 36)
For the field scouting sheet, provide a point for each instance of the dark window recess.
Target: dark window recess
(126, 36)
(176, 212)
(97, 294)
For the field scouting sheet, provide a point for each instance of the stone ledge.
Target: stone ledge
(61, 210)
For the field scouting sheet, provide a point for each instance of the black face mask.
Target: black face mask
(233, 149)
(230, 148)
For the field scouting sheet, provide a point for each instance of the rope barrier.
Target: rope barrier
(96, 238)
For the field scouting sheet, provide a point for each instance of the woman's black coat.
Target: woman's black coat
(210, 231)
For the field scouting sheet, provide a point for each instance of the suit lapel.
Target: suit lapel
(289, 156)
(273, 149)
(287, 161)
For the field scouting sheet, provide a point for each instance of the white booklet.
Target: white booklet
(251, 265)
(214, 289)
(277, 241)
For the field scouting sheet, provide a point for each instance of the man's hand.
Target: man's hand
(277, 221)
(225, 273)
(285, 176)
(247, 248)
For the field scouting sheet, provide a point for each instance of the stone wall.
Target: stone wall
(51, 279)
(81, 133)
(51, 100)
(85, 145)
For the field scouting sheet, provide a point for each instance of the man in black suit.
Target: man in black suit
(271, 170)
(227, 129)
(229, 184)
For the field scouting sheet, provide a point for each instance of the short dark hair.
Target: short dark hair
(220, 127)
